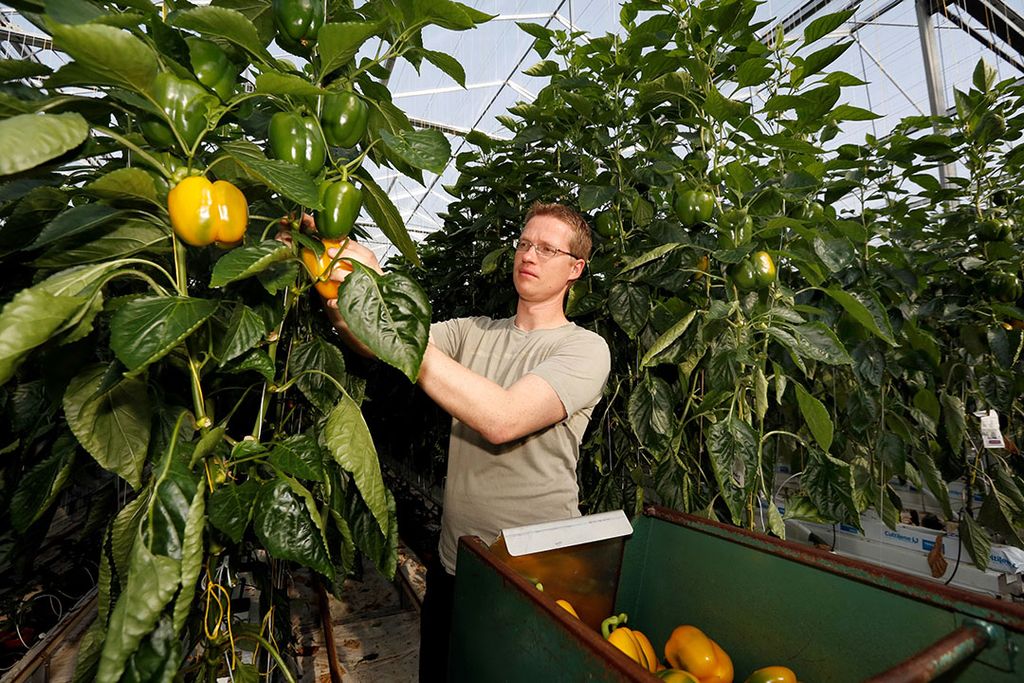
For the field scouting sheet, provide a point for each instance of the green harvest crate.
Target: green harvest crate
(765, 601)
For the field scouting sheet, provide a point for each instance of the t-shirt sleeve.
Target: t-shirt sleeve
(446, 336)
(578, 370)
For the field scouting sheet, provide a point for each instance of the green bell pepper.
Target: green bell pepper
(297, 139)
(994, 229)
(756, 272)
(606, 224)
(212, 67)
(298, 22)
(341, 201)
(344, 117)
(694, 206)
(1005, 287)
(738, 224)
(185, 103)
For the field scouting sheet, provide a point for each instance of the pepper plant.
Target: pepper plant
(792, 319)
(161, 339)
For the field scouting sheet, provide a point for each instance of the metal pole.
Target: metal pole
(932, 72)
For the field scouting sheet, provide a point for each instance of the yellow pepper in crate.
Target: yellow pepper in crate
(772, 674)
(634, 644)
(690, 650)
(203, 212)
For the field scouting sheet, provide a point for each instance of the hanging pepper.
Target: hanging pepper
(185, 103)
(343, 117)
(203, 212)
(634, 644)
(319, 268)
(688, 649)
(693, 206)
(297, 139)
(756, 272)
(298, 22)
(212, 67)
(341, 201)
(737, 224)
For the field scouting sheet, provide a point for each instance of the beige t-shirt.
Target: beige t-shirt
(531, 480)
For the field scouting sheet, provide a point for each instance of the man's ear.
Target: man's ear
(577, 269)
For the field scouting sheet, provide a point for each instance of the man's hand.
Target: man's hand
(350, 251)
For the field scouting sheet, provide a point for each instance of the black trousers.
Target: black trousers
(436, 623)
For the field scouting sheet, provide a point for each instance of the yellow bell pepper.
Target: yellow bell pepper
(319, 268)
(203, 212)
(634, 644)
(690, 650)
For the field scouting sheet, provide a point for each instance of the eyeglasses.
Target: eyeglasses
(543, 251)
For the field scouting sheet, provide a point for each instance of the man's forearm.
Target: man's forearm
(500, 415)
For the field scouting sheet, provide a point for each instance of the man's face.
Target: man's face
(536, 277)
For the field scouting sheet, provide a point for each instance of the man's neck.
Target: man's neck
(539, 316)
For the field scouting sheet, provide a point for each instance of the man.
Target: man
(520, 391)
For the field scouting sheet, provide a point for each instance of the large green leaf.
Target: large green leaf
(32, 139)
(284, 527)
(236, 333)
(390, 314)
(28, 320)
(173, 494)
(874, 318)
(124, 532)
(73, 221)
(16, 69)
(125, 239)
(349, 442)
(732, 447)
(191, 557)
(667, 339)
(158, 657)
(41, 485)
(280, 176)
(388, 220)
(152, 581)
(125, 183)
(112, 424)
(818, 342)
(444, 62)
(427, 149)
(381, 547)
(110, 55)
(230, 507)
(145, 330)
(299, 455)
(651, 414)
(822, 26)
(228, 24)
(339, 43)
(828, 482)
(244, 262)
(630, 307)
(818, 60)
(816, 416)
(976, 540)
(310, 361)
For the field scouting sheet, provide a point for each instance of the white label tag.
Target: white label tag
(991, 437)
